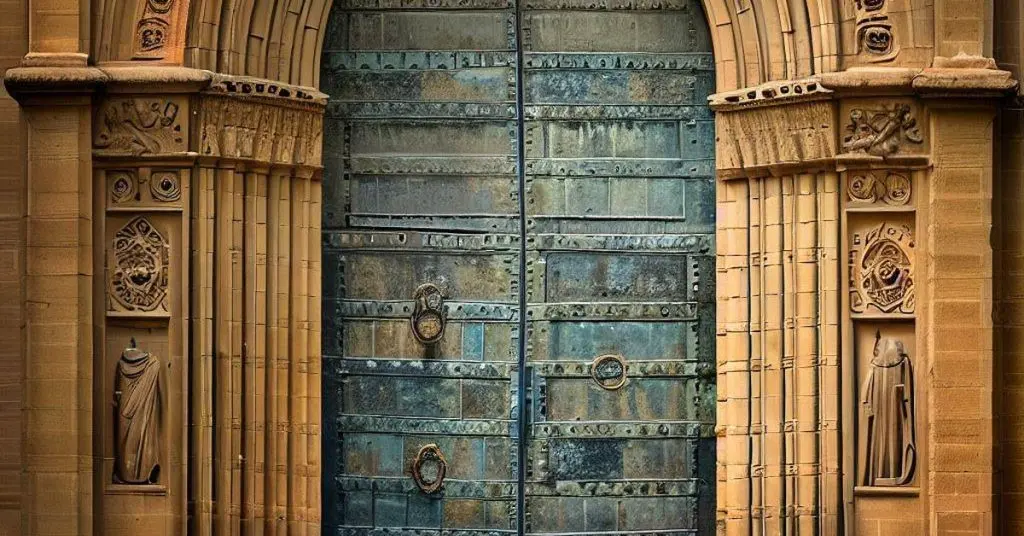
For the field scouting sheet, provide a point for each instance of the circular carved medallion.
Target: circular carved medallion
(609, 371)
(122, 188)
(164, 186)
(429, 468)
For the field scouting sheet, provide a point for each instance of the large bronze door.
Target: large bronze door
(493, 170)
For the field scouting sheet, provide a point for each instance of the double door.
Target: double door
(519, 268)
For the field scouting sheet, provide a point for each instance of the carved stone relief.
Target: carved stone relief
(145, 187)
(887, 453)
(153, 30)
(875, 40)
(882, 271)
(260, 130)
(124, 186)
(138, 267)
(869, 187)
(137, 398)
(881, 132)
(773, 135)
(165, 186)
(140, 126)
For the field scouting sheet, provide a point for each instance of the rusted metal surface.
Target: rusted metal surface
(442, 243)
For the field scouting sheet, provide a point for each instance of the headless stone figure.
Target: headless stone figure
(137, 393)
(888, 450)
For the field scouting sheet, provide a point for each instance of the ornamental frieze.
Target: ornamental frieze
(258, 130)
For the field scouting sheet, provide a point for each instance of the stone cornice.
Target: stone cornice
(962, 76)
(43, 78)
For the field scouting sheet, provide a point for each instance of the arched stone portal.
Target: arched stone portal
(853, 184)
(591, 255)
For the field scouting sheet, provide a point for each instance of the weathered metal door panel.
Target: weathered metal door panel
(422, 187)
(620, 223)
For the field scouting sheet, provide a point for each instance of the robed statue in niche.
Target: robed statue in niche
(888, 450)
(137, 398)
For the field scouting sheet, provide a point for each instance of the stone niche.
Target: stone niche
(140, 365)
(883, 389)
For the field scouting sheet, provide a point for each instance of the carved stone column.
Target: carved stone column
(855, 333)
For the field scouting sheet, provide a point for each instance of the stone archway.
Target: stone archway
(218, 99)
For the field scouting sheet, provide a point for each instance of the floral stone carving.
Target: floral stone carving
(139, 271)
(888, 449)
(137, 398)
(881, 270)
(881, 132)
(139, 126)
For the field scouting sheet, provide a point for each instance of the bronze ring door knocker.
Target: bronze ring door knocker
(428, 469)
(428, 315)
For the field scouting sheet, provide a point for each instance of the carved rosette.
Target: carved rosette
(124, 186)
(892, 189)
(165, 186)
(138, 267)
(882, 270)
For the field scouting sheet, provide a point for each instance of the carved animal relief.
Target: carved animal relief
(888, 444)
(881, 270)
(139, 268)
(881, 132)
(138, 127)
(138, 420)
(892, 189)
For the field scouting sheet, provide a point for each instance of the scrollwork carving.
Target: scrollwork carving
(881, 132)
(893, 189)
(139, 126)
(151, 34)
(888, 449)
(137, 395)
(875, 37)
(139, 271)
(881, 270)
